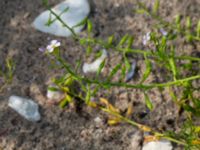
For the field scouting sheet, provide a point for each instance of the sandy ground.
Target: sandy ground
(77, 130)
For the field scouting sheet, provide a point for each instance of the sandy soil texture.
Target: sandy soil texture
(77, 130)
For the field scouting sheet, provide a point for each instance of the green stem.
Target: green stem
(63, 23)
(133, 123)
(128, 50)
(122, 84)
(171, 26)
(147, 52)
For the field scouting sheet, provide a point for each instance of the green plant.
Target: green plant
(7, 73)
(163, 56)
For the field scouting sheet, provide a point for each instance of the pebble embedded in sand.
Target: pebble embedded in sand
(94, 66)
(54, 94)
(131, 72)
(158, 145)
(98, 122)
(27, 108)
(77, 11)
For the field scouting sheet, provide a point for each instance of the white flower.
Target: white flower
(146, 38)
(53, 44)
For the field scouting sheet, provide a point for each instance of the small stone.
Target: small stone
(94, 66)
(158, 145)
(98, 120)
(131, 72)
(27, 108)
(54, 94)
(72, 12)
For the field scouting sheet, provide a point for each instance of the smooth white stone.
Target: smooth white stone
(25, 107)
(78, 10)
(158, 145)
(54, 95)
(94, 66)
(98, 120)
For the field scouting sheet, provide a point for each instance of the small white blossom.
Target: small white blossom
(53, 44)
(146, 38)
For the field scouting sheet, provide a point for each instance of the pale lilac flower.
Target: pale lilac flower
(146, 38)
(53, 44)
(164, 33)
(42, 49)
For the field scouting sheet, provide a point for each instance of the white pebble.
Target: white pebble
(98, 120)
(158, 145)
(54, 94)
(78, 10)
(94, 66)
(25, 107)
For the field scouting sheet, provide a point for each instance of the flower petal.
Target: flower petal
(50, 48)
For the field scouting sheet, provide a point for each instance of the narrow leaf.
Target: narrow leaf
(142, 11)
(148, 69)
(129, 110)
(114, 71)
(68, 99)
(173, 68)
(198, 29)
(178, 22)
(123, 72)
(156, 6)
(123, 40)
(127, 63)
(89, 26)
(188, 23)
(110, 39)
(101, 67)
(88, 96)
(54, 89)
(114, 121)
(148, 102)
(88, 50)
(83, 22)
(130, 42)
